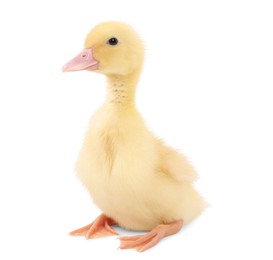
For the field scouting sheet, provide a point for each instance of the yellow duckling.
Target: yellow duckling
(136, 180)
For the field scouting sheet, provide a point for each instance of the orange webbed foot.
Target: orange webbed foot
(101, 227)
(144, 242)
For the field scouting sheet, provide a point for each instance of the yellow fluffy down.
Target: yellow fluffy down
(132, 176)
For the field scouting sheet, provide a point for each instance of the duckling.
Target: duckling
(137, 181)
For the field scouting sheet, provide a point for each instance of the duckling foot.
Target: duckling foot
(101, 227)
(144, 242)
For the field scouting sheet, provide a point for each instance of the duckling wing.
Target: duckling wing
(174, 164)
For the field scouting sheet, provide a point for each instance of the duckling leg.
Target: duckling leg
(101, 227)
(144, 242)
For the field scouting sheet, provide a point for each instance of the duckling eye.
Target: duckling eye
(113, 41)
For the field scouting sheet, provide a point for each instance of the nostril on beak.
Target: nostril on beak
(84, 55)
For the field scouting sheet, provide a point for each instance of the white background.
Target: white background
(206, 89)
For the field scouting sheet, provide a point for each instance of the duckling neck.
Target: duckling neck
(121, 90)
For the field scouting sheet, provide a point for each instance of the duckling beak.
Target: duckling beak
(83, 61)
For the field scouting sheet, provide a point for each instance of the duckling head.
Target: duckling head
(111, 48)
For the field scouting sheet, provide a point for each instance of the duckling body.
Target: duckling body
(121, 164)
(136, 180)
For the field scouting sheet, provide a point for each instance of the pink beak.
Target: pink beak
(83, 61)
